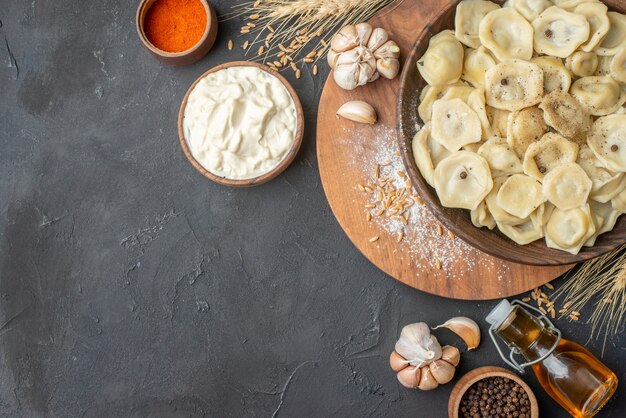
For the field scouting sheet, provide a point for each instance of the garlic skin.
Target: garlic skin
(358, 111)
(360, 54)
(417, 345)
(465, 328)
(354, 68)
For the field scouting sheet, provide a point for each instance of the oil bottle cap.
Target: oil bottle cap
(499, 313)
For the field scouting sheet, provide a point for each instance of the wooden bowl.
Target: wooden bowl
(189, 56)
(263, 178)
(454, 403)
(458, 220)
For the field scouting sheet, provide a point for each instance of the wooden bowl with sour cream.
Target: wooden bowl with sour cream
(286, 160)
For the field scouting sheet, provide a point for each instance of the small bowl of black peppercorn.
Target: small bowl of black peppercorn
(492, 392)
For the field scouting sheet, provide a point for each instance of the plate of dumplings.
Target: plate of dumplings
(520, 141)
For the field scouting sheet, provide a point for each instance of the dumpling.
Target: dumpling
(462, 180)
(427, 153)
(568, 230)
(499, 120)
(604, 66)
(502, 159)
(520, 195)
(507, 34)
(606, 184)
(429, 95)
(541, 216)
(476, 101)
(607, 140)
(565, 114)
(555, 75)
(618, 65)
(476, 64)
(582, 64)
(442, 63)
(469, 14)
(497, 212)
(455, 124)
(514, 85)
(547, 153)
(457, 92)
(567, 186)
(481, 217)
(599, 96)
(530, 9)
(522, 234)
(604, 218)
(619, 202)
(570, 4)
(616, 36)
(558, 32)
(525, 127)
(598, 19)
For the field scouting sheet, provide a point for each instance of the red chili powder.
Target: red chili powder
(175, 25)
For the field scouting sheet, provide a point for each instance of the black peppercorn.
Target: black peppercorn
(494, 397)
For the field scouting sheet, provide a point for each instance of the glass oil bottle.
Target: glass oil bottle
(569, 373)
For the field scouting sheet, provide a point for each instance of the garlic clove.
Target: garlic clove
(347, 76)
(389, 49)
(442, 371)
(377, 39)
(345, 39)
(397, 362)
(465, 328)
(388, 67)
(427, 380)
(358, 111)
(451, 354)
(417, 345)
(409, 377)
(363, 33)
(332, 58)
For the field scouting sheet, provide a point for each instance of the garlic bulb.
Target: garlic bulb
(417, 345)
(358, 111)
(360, 54)
(465, 328)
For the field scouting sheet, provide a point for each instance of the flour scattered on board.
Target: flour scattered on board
(397, 210)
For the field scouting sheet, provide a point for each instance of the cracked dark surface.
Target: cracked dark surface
(132, 286)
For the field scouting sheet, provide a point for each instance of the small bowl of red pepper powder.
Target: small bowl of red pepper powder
(177, 32)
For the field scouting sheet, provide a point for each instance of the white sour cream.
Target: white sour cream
(239, 122)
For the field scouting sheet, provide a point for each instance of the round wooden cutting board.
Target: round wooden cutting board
(426, 257)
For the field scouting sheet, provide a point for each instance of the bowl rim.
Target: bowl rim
(144, 5)
(557, 258)
(284, 162)
(484, 372)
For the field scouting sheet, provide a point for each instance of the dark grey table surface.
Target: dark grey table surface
(131, 286)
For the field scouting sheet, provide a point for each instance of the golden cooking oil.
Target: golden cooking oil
(570, 374)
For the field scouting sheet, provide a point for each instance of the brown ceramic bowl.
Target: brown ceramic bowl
(263, 178)
(458, 220)
(189, 56)
(474, 376)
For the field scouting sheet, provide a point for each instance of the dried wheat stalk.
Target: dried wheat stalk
(601, 282)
